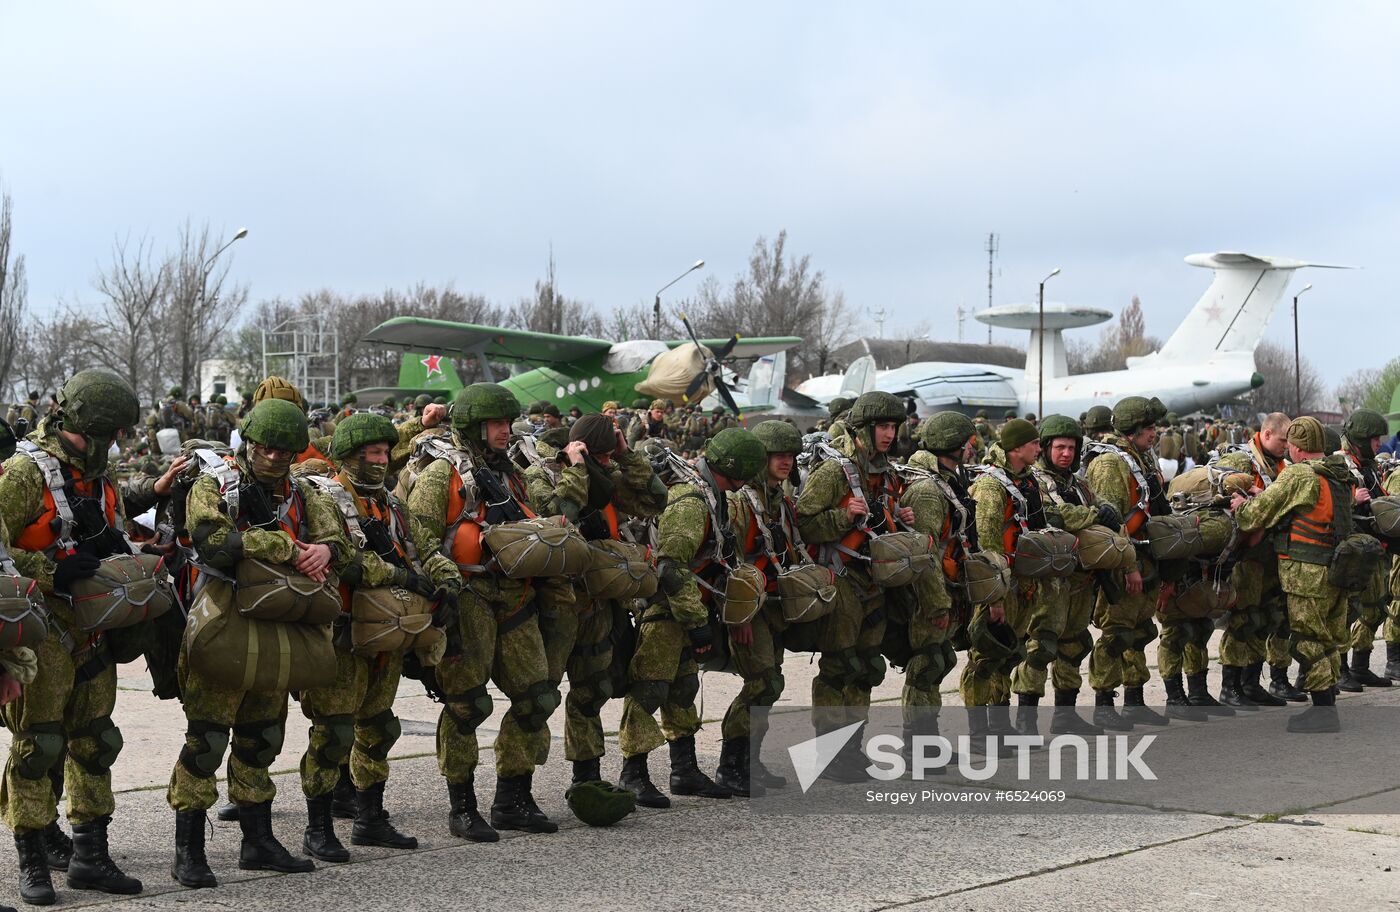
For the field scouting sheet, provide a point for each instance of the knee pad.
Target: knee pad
(211, 740)
(683, 690)
(839, 668)
(772, 689)
(1042, 649)
(872, 670)
(1076, 647)
(534, 707)
(925, 670)
(1116, 640)
(387, 726)
(257, 744)
(38, 749)
(649, 694)
(592, 693)
(340, 737)
(1143, 634)
(108, 739)
(469, 709)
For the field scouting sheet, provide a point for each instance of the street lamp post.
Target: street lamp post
(656, 306)
(208, 265)
(1297, 358)
(1040, 381)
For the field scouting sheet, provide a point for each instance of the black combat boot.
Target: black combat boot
(260, 850)
(343, 798)
(463, 819)
(588, 770)
(58, 848)
(733, 770)
(686, 776)
(228, 812)
(1361, 670)
(1066, 720)
(999, 719)
(372, 826)
(1392, 661)
(762, 775)
(1136, 711)
(925, 725)
(319, 840)
(1281, 687)
(35, 885)
(1178, 704)
(636, 778)
(979, 729)
(1106, 716)
(1254, 690)
(512, 809)
(1027, 715)
(1198, 695)
(191, 867)
(91, 867)
(1320, 717)
(1231, 689)
(1347, 683)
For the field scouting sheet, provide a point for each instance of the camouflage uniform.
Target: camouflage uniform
(1367, 609)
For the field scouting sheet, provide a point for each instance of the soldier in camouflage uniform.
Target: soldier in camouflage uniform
(1256, 629)
(280, 520)
(695, 544)
(840, 520)
(64, 716)
(1070, 505)
(1126, 476)
(471, 482)
(1309, 508)
(24, 417)
(353, 719)
(837, 407)
(1361, 436)
(651, 425)
(765, 521)
(598, 483)
(175, 413)
(721, 420)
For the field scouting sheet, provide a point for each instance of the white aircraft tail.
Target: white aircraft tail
(859, 377)
(1235, 310)
(766, 379)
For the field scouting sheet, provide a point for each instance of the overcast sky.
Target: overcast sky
(369, 145)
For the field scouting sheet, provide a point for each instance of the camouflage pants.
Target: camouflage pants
(1185, 645)
(49, 710)
(1319, 626)
(851, 665)
(1373, 603)
(1126, 628)
(662, 677)
(985, 680)
(580, 644)
(509, 651)
(351, 719)
(1075, 643)
(761, 665)
(1256, 630)
(258, 721)
(933, 657)
(1392, 616)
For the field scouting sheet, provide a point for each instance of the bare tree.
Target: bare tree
(201, 302)
(550, 312)
(133, 289)
(1118, 342)
(1355, 390)
(1275, 364)
(14, 293)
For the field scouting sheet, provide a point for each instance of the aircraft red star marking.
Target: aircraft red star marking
(433, 363)
(1214, 312)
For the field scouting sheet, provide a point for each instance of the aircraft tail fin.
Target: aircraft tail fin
(859, 377)
(766, 379)
(428, 372)
(1235, 310)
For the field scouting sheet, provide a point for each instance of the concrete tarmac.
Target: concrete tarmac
(708, 854)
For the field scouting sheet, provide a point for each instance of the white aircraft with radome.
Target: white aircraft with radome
(1208, 360)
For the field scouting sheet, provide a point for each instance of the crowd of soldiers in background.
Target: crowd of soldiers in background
(323, 554)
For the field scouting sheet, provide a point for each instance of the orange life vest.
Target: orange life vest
(463, 539)
(41, 535)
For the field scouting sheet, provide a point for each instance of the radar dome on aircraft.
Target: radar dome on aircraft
(1058, 318)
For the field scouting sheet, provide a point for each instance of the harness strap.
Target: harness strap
(55, 482)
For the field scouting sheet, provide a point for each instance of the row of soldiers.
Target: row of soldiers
(746, 558)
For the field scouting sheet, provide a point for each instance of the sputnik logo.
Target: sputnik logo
(433, 363)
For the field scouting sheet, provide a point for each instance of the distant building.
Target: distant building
(216, 378)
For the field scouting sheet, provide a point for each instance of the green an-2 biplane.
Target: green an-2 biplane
(574, 370)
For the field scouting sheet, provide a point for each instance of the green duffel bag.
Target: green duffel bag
(1217, 532)
(1045, 553)
(242, 653)
(1174, 537)
(1100, 548)
(620, 570)
(545, 546)
(277, 592)
(126, 589)
(1206, 599)
(899, 558)
(390, 619)
(985, 577)
(1355, 561)
(744, 594)
(23, 615)
(1385, 511)
(807, 592)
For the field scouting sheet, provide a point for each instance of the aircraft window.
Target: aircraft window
(559, 392)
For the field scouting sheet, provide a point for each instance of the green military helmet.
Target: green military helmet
(440, 400)
(1008, 414)
(995, 640)
(778, 436)
(423, 401)
(177, 392)
(946, 432)
(536, 407)
(736, 454)
(982, 414)
(97, 402)
(717, 411)
(1363, 424)
(639, 404)
(479, 403)
(839, 405)
(361, 429)
(874, 408)
(391, 402)
(599, 803)
(1331, 439)
(1054, 426)
(1097, 419)
(1133, 413)
(1172, 418)
(1159, 409)
(277, 424)
(221, 399)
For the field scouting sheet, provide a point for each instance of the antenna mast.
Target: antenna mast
(993, 244)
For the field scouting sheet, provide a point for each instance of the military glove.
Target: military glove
(415, 582)
(1109, 516)
(673, 577)
(73, 568)
(446, 612)
(702, 641)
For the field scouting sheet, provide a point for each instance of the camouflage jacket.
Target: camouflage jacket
(931, 511)
(1253, 460)
(1075, 512)
(686, 537)
(1111, 480)
(821, 517)
(992, 498)
(375, 570)
(557, 489)
(1296, 490)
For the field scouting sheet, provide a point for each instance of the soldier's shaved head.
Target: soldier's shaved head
(1276, 422)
